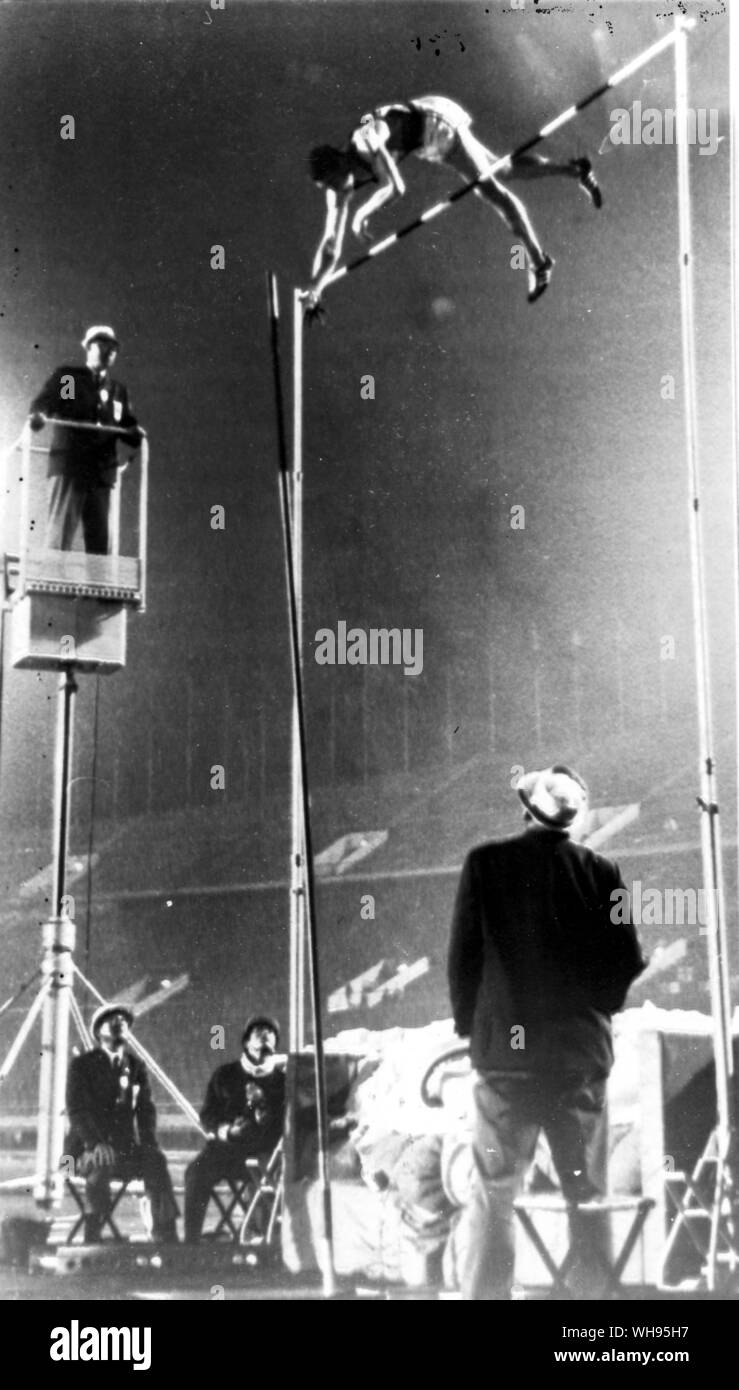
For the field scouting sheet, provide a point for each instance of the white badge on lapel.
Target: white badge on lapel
(117, 411)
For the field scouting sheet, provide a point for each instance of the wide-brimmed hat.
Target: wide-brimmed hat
(100, 330)
(553, 797)
(106, 1011)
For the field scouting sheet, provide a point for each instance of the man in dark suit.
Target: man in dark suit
(82, 462)
(540, 957)
(244, 1111)
(113, 1125)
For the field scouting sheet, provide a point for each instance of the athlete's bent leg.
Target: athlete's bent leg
(536, 166)
(472, 160)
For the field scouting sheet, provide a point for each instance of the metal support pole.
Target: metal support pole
(3, 632)
(24, 444)
(57, 966)
(62, 788)
(536, 645)
(189, 702)
(734, 227)
(24, 1030)
(491, 698)
(325, 1242)
(710, 827)
(709, 790)
(143, 518)
(58, 971)
(83, 1032)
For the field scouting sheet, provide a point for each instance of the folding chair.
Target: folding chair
(253, 1206)
(266, 1201)
(119, 1188)
(612, 1267)
(691, 1197)
(235, 1201)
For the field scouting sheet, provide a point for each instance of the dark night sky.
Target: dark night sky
(190, 134)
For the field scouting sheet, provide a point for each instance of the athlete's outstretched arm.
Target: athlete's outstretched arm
(330, 246)
(391, 186)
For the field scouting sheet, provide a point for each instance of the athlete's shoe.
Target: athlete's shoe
(539, 278)
(588, 182)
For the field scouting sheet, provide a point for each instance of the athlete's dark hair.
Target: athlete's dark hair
(328, 165)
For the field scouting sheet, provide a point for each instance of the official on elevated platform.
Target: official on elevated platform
(68, 604)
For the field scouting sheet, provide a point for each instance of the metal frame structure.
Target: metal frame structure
(27, 450)
(55, 1001)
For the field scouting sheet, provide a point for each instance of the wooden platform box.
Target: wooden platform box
(48, 631)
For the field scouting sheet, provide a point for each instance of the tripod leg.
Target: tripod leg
(79, 1023)
(24, 1029)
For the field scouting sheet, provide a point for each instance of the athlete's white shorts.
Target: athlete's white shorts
(444, 119)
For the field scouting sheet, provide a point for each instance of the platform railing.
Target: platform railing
(27, 449)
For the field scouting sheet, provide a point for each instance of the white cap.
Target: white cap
(99, 330)
(106, 1011)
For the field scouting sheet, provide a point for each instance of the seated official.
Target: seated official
(243, 1111)
(112, 1122)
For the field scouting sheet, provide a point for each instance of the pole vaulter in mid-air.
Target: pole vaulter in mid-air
(438, 131)
(343, 172)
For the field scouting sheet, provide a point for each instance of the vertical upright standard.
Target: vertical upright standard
(301, 798)
(708, 1206)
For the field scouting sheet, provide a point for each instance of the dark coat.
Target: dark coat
(534, 946)
(87, 457)
(233, 1094)
(109, 1107)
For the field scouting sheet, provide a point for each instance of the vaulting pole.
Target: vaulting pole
(326, 1262)
(297, 848)
(640, 61)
